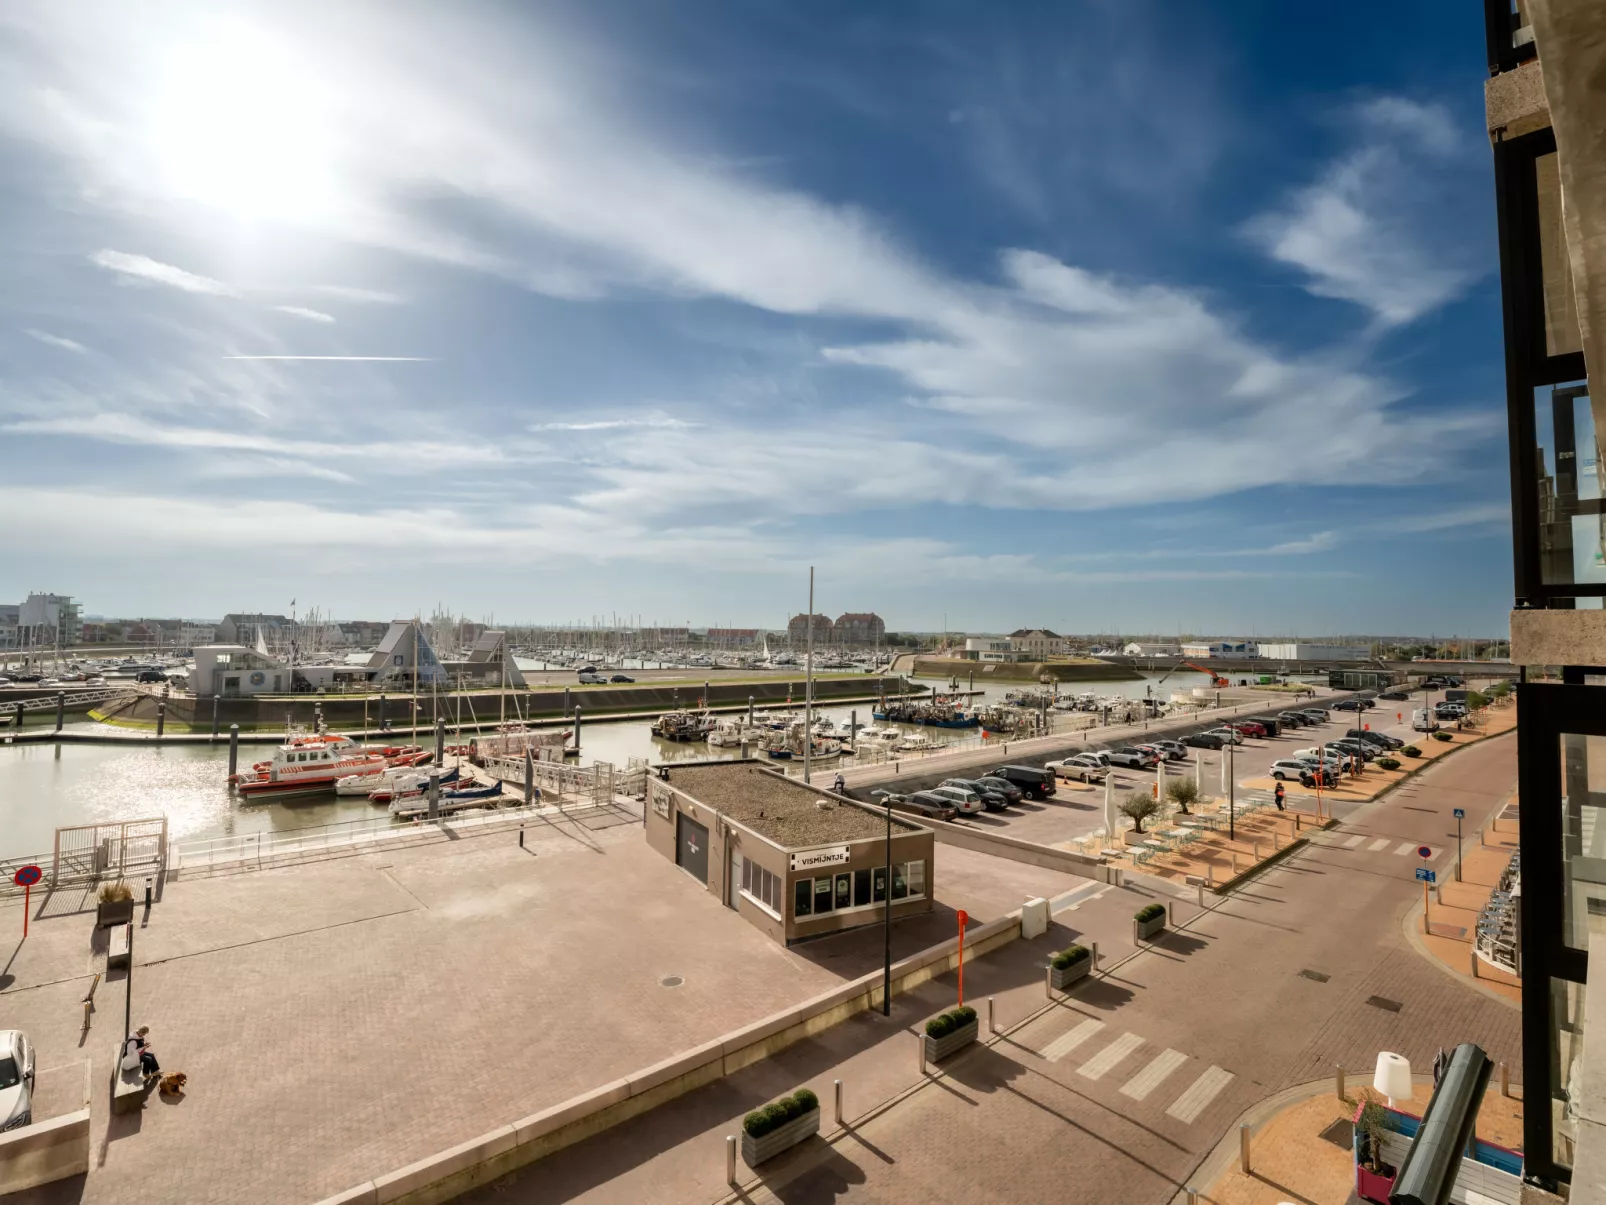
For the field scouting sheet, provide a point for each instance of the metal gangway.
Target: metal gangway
(558, 783)
(72, 700)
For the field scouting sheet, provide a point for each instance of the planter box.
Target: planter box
(1143, 930)
(1373, 1186)
(118, 912)
(1060, 980)
(757, 1150)
(938, 1049)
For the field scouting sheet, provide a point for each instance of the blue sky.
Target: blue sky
(1120, 317)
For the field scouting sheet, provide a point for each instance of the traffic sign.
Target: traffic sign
(964, 918)
(1424, 875)
(27, 876)
(1460, 813)
(1424, 851)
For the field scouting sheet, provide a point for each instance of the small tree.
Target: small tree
(1138, 807)
(1182, 792)
(1476, 700)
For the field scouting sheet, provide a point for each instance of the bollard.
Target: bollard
(61, 709)
(577, 710)
(529, 776)
(730, 1158)
(1170, 914)
(1243, 1148)
(234, 748)
(1193, 1195)
(1210, 873)
(161, 719)
(1505, 1080)
(1341, 1095)
(992, 1026)
(1048, 986)
(837, 1086)
(440, 740)
(1473, 953)
(1093, 948)
(147, 895)
(521, 836)
(920, 1050)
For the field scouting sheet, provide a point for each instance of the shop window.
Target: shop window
(861, 888)
(823, 892)
(844, 890)
(762, 885)
(915, 872)
(880, 892)
(900, 882)
(803, 897)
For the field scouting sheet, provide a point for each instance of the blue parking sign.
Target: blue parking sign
(1424, 875)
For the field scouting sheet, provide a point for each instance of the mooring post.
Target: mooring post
(214, 717)
(440, 740)
(234, 748)
(61, 708)
(577, 710)
(161, 719)
(529, 777)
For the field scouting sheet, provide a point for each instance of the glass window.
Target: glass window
(900, 884)
(880, 890)
(772, 890)
(1572, 539)
(1555, 266)
(915, 872)
(1583, 836)
(1566, 1064)
(803, 897)
(844, 890)
(823, 889)
(747, 875)
(861, 888)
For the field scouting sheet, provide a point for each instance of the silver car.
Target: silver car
(964, 799)
(16, 1080)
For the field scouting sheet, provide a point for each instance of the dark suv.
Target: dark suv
(1034, 783)
(996, 794)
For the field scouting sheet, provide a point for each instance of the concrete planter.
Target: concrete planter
(1144, 930)
(938, 1049)
(1060, 980)
(118, 912)
(757, 1150)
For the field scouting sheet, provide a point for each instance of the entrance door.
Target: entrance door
(691, 846)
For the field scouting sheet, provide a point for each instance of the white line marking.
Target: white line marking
(1406, 847)
(1377, 845)
(1354, 841)
(1067, 1042)
(1199, 1095)
(1106, 1059)
(1152, 1076)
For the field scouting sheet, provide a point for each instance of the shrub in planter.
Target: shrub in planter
(1411, 751)
(950, 1032)
(1071, 954)
(1387, 763)
(1441, 736)
(777, 1113)
(1148, 921)
(115, 893)
(779, 1125)
(115, 906)
(1149, 912)
(1069, 965)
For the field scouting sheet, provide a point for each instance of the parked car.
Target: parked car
(1205, 740)
(589, 679)
(5, 681)
(1034, 782)
(1349, 705)
(621, 678)
(1247, 727)
(1083, 767)
(1231, 735)
(1290, 767)
(1422, 720)
(1317, 714)
(1394, 696)
(933, 807)
(1173, 750)
(150, 675)
(1353, 747)
(963, 798)
(1136, 759)
(1293, 719)
(1381, 739)
(995, 793)
(1271, 724)
(16, 1080)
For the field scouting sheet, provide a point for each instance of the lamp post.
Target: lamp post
(886, 972)
(1232, 790)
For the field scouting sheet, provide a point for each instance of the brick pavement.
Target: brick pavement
(1118, 1092)
(341, 1019)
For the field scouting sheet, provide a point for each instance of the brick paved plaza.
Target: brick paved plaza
(342, 1018)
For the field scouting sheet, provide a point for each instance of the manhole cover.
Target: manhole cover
(1316, 975)
(1341, 1134)
(1383, 1002)
(676, 981)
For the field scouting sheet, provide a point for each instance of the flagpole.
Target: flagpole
(808, 694)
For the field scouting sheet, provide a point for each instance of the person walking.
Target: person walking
(841, 784)
(1281, 791)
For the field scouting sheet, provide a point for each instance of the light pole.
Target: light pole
(1232, 788)
(886, 972)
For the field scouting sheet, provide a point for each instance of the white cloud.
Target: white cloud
(659, 421)
(60, 341)
(348, 293)
(1376, 227)
(145, 268)
(1492, 515)
(303, 312)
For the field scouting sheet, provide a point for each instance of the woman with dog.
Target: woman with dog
(137, 1052)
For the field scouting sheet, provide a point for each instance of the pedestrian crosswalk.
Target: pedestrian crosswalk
(1380, 843)
(1104, 1054)
(1352, 842)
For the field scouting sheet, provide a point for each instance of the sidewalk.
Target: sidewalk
(1453, 918)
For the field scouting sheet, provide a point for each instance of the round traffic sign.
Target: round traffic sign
(27, 876)
(1424, 851)
(964, 918)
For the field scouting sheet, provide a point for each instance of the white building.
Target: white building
(990, 648)
(1038, 644)
(236, 672)
(49, 619)
(1220, 648)
(1298, 651)
(1139, 649)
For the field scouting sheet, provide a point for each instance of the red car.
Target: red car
(1249, 727)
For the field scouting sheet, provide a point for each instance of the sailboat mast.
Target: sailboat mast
(808, 687)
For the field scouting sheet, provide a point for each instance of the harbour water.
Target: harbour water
(44, 786)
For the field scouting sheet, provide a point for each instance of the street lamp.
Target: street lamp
(886, 973)
(1232, 787)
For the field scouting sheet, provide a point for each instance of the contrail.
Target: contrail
(391, 359)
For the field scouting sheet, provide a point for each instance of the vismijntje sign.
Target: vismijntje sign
(836, 855)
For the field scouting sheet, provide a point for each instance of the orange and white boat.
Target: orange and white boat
(309, 764)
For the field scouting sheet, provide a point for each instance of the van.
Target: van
(1033, 782)
(1422, 720)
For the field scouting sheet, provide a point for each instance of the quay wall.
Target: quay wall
(1022, 671)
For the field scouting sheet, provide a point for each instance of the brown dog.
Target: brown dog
(173, 1083)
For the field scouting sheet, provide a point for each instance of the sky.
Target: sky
(1114, 317)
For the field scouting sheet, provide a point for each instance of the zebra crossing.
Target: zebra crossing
(1365, 843)
(1103, 1053)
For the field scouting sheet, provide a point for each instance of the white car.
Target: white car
(1293, 768)
(1083, 767)
(16, 1080)
(963, 798)
(593, 680)
(1173, 750)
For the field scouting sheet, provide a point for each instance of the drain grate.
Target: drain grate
(671, 981)
(1383, 1002)
(1316, 975)
(1341, 1134)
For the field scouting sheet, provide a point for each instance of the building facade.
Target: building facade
(1545, 137)
(1200, 649)
(797, 630)
(49, 620)
(242, 628)
(859, 627)
(1298, 651)
(792, 860)
(990, 648)
(1038, 644)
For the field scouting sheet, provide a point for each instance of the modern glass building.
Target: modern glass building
(1546, 108)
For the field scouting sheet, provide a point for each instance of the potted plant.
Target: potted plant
(1138, 807)
(1069, 965)
(949, 1032)
(1147, 921)
(779, 1126)
(1374, 1179)
(1182, 792)
(116, 906)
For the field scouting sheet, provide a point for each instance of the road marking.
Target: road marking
(1354, 841)
(1199, 1095)
(1106, 1059)
(1152, 1076)
(1406, 847)
(1380, 843)
(1067, 1042)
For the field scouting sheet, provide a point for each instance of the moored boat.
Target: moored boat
(311, 764)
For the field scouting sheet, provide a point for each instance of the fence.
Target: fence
(85, 853)
(599, 784)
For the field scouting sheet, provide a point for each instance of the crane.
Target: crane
(1216, 680)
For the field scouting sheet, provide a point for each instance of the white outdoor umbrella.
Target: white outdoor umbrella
(1109, 806)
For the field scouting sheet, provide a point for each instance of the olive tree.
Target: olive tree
(1182, 792)
(1138, 807)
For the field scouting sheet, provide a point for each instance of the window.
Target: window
(823, 889)
(762, 886)
(844, 890)
(915, 872)
(880, 886)
(803, 897)
(900, 885)
(861, 888)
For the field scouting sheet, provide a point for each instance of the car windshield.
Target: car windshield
(10, 1076)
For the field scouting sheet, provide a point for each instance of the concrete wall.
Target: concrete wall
(453, 1172)
(47, 1150)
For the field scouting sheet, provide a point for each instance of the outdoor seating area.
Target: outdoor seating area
(1179, 845)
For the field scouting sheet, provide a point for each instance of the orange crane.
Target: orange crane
(1216, 679)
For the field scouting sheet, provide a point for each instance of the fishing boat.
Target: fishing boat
(934, 713)
(312, 764)
(731, 733)
(871, 737)
(683, 725)
(918, 742)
